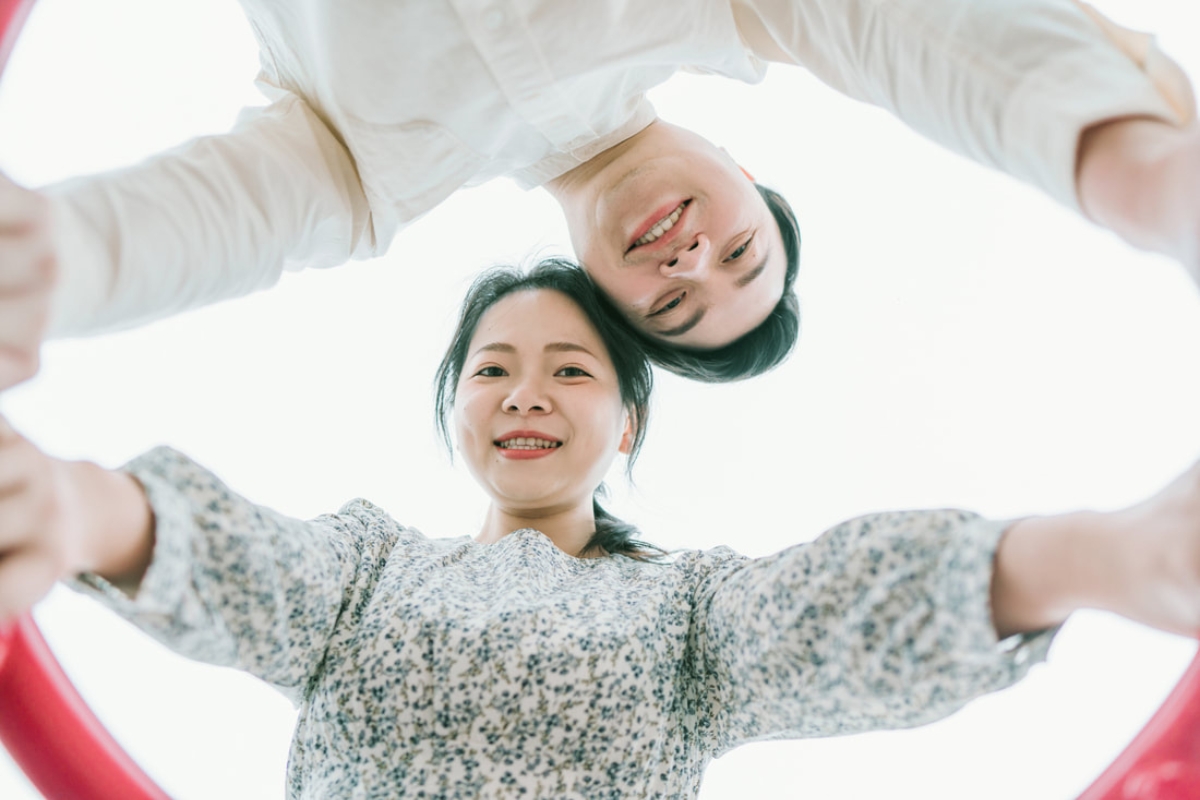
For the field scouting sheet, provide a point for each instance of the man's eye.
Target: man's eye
(572, 372)
(490, 372)
(741, 251)
(670, 305)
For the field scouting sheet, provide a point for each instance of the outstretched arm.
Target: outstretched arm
(1046, 90)
(165, 544)
(1141, 562)
(218, 217)
(898, 619)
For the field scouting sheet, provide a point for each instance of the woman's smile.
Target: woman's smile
(524, 445)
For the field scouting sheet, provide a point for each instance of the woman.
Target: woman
(553, 654)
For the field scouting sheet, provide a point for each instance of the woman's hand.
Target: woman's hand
(1142, 562)
(27, 271)
(60, 518)
(1159, 540)
(40, 522)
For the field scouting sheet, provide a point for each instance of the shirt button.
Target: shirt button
(1021, 655)
(493, 19)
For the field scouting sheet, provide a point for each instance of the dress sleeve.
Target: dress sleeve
(882, 622)
(218, 217)
(235, 584)
(1009, 83)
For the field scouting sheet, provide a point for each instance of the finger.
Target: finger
(23, 319)
(20, 208)
(27, 263)
(17, 366)
(26, 576)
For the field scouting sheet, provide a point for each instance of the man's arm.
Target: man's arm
(1141, 179)
(218, 217)
(1044, 90)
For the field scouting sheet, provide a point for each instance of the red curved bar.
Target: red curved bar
(51, 733)
(66, 753)
(12, 16)
(1163, 760)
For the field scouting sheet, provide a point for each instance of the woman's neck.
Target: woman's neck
(569, 528)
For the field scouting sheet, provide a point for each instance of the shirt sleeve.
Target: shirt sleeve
(218, 217)
(1009, 83)
(882, 622)
(235, 584)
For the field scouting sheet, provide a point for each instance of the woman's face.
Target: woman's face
(538, 411)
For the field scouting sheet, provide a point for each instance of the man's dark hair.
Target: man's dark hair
(763, 348)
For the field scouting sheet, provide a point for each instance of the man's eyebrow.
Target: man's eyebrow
(687, 324)
(759, 268)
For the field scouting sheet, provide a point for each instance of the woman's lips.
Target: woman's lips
(523, 445)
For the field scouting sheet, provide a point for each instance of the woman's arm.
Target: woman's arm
(1142, 563)
(168, 546)
(884, 621)
(60, 518)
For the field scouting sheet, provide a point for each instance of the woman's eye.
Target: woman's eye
(741, 251)
(572, 372)
(490, 372)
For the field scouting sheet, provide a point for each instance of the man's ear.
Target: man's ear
(627, 436)
(739, 166)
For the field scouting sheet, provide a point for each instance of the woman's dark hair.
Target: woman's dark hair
(635, 378)
(763, 348)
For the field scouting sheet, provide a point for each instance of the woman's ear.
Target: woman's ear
(627, 435)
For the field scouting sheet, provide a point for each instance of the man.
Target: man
(381, 111)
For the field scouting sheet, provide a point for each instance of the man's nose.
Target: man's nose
(689, 261)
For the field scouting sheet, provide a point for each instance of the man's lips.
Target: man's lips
(658, 216)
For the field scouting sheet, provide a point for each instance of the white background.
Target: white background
(966, 343)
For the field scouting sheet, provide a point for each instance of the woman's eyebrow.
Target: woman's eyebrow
(495, 347)
(556, 347)
(567, 347)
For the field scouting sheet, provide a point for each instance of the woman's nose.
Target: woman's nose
(691, 261)
(527, 397)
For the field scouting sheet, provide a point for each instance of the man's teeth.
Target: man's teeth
(662, 226)
(526, 443)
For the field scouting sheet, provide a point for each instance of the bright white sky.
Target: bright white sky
(966, 343)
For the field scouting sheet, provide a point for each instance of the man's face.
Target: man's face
(679, 238)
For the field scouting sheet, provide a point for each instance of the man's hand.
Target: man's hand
(27, 272)
(1141, 179)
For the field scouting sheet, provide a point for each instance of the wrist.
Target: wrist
(116, 528)
(1046, 568)
(1137, 176)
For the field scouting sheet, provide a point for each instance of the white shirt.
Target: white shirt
(379, 111)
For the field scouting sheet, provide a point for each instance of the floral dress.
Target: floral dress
(444, 668)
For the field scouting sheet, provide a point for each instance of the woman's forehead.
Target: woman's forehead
(535, 318)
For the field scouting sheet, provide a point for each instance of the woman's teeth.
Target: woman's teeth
(662, 226)
(525, 443)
